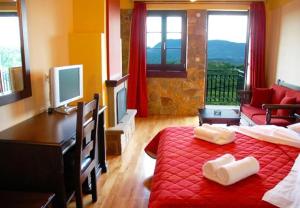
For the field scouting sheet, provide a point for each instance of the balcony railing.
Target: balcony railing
(222, 87)
(5, 82)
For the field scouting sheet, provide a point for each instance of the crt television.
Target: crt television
(66, 85)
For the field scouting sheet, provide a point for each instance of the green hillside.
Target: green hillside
(218, 51)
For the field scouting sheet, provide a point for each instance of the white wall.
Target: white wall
(283, 53)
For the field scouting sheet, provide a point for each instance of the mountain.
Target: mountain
(218, 51)
(226, 51)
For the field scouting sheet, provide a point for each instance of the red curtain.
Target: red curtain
(257, 44)
(137, 85)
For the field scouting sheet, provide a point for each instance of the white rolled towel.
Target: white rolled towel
(225, 133)
(210, 167)
(235, 171)
(218, 136)
(205, 134)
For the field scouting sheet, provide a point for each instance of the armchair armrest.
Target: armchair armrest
(270, 107)
(281, 106)
(244, 96)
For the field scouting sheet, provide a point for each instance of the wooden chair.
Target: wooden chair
(86, 141)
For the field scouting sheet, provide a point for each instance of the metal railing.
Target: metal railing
(222, 87)
(5, 81)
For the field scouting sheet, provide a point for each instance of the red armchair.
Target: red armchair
(278, 105)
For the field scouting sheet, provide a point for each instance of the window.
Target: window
(166, 44)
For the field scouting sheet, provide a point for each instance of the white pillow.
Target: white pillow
(295, 127)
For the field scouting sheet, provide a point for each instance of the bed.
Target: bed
(178, 179)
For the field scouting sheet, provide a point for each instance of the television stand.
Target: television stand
(65, 109)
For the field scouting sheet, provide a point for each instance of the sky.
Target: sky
(9, 35)
(154, 26)
(228, 27)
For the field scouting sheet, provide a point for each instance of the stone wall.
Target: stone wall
(178, 96)
(126, 15)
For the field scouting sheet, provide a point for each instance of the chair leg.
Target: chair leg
(94, 184)
(79, 196)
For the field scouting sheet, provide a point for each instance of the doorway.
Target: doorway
(227, 56)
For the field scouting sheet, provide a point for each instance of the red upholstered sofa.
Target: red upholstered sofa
(278, 105)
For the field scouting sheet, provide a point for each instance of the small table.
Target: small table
(219, 116)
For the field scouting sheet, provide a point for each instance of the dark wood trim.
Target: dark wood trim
(246, 13)
(281, 106)
(115, 83)
(166, 67)
(167, 74)
(9, 14)
(26, 92)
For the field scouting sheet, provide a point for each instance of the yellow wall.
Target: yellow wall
(87, 43)
(126, 4)
(283, 38)
(273, 4)
(89, 17)
(49, 23)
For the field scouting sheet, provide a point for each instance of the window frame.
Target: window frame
(164, 69)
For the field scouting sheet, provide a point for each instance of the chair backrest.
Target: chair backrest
(86, 132)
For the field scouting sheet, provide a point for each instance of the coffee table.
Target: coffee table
(219, 116)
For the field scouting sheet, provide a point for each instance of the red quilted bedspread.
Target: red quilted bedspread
(178, 179)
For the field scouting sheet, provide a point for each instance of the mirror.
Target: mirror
(14, 58)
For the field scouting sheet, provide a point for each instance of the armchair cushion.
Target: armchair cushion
(278, 93)
(250, 111)
(286, 100)
(261, 96)
(261, 120)
(296, 94)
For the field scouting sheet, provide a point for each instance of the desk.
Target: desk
(32, 154)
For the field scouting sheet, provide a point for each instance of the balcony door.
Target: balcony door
(227, 56)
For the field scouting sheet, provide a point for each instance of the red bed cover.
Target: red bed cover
(178, 179)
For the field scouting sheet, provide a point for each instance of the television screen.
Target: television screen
(66, 85)
(69, 84)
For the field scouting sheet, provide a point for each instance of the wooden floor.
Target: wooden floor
(127, 182)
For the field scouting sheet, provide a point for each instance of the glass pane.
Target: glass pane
(173, 40)
(153, 24)
(174, 24)
(173, 56)
(153, 56)
(11, 74)
(153, 40)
